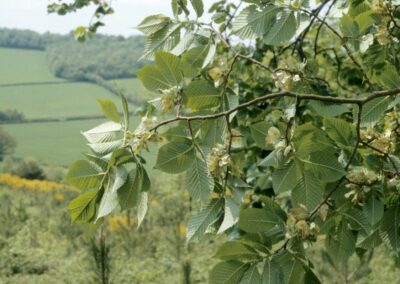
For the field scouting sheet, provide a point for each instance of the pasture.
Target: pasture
(133, 88)
(24, 66)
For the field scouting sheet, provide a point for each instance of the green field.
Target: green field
(54, 101)
(133, 88)
(24, 66)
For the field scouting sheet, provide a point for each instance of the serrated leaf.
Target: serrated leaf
(84, 175)
(105, 148)
(103, 133)
(285, 178)
(201, 94)
(200, 221)
(109, 110)
(340, 131)
(175, 157)
(373, 210)
(283, 29)
(325, 109)
(390, 228)
(308, 191)
(83, 208)
(254, 220)
(251, 22)
(129, 194)
(272, 272)
(153, 24)
(231, 214)
(142, 207)
(125, 108)
(324, 167)
(357, 220)
(251, 276)
(372, 111)
(259, 131)
(109, 201)
(200, 182)
(341, 244)
(229, 272)
(235, 250)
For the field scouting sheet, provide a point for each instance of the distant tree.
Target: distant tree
(7, 144)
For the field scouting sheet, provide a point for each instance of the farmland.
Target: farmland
(24, 66)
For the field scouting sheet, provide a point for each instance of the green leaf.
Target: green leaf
(259, 131)
(229, 272)
(325, 167)
(109, 110)
(165, 39)
(125, 108)
(129, 194)
(231, 214)
(251, 22)
(175, 157)
(349, 27)
(254, 220)
(201, 94)
(340, 131)
(153, 24)
(105, 148)
(283, 29)
(373, 110)
(198, 7)
(105, 132)
(251, 276)
(83, 208)
(200, 221)
(341, 244)
(142, 207)
(326, 109)
(162, 75)
(84, 175)
(292, 268)
(200, 182)
(373, 210)
(357, 220)
(390, 227)
(236, 250)
(308, 191)
(285, 178)
(272, 272)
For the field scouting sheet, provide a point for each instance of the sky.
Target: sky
(32, 15)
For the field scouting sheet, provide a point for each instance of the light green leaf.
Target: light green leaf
(105, 132)
(349, 27)
(142, 207)
(236, 250)
(373, 210)
(198, 7)
(129, 194)
(254, 220)
(325, 109)
(201, 94)
(84, 175)
(285, 178)
(308, 191)
(83, 208)
(229, 272)
(251, 276)
(109, 110)
(199, 222)
(251, 22)
(200, 183)
(175, 157)
(231, 214)
(324, 166)
(340, 131)
(372, 111)
(125, 108)
(283, 29)
(105, 148)
(153, 24)
(109, 201)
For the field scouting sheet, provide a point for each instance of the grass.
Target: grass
(56, 143)
(24, 66)
(133, 88)
(54, 101)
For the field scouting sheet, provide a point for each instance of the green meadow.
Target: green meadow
(24, 66)
(132, 88)
(54, 101)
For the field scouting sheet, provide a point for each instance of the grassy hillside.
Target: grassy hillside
(54, 101)
(24, 66)
(132, 88)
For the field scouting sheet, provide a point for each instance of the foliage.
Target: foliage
(7, 144)
(288, 137)
(27, 169)
(11, 115)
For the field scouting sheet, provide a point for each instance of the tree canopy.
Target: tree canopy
(283, 115)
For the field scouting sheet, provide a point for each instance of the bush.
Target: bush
(28, 169)
(7, 144)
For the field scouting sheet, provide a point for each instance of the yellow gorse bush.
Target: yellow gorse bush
(16, 182)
